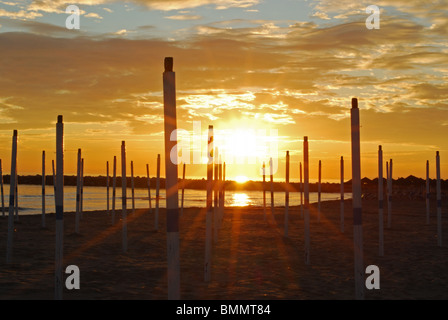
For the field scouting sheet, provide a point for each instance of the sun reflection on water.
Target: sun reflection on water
(241, 199)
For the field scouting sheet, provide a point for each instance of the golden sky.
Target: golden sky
(289, 65)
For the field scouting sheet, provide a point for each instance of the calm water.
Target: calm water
(30, 199)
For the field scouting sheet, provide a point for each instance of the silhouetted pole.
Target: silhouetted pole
(209, 204)
(12, 188)
(389, 203)
(82, 188)
(223, 188)
(124, 198)
(357, 207)
(107, 186)
(16, 194)
(427, 192)
(59, 282)
(319, 189)
(78, 192)
(306, 176)
(439, 202)
(114, 187)
(54, 182)
(342, 194)
(220, 193)
(183, 191)
(132, 187)
(171, 181)
(287, 194)
(215, 196)
(148, 182)
(156, 216)
(301, 190)
(43, 189)
(264, 191)
(380, 201)
(271, 173)
(1, 187)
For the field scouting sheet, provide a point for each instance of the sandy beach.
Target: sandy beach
(251, 259)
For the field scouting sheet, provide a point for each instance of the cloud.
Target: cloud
(184, 17)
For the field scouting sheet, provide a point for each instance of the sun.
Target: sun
(241, 179)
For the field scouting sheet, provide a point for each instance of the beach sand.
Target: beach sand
(251, 259)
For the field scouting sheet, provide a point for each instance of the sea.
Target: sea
(95, 198)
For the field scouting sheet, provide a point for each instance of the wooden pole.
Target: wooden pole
(12, 189)
(380, 201)
(439, 202)
(54, 182)
(306, 176)
(357, 206)
(132, 186)
(114, 187)
(156, 216)
(220, 193)
(148, 182)
(301, 191)
(264, 191)
(271, 173)
(82, 188)
(124, 198)
(287, 194)
(43, 189)
(342, 195)
(215, 196)
(171, 180)
(78, 192)
(59, 282)
(16, 207)
(427, 192)
(183, 191)
(209, 204)
(319, 189)
(1, 187)
(107, 186)
(389, 202)
(223, 189)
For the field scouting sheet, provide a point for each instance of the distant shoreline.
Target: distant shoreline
(410, 183)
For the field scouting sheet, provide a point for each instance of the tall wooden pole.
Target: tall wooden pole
(301, 190)
(16, 194)
(271, 173)
(107, 187)
(357, 206)
(114, 187)
(380, 202)
(215, 196)
(389, 202)
(148, 182)
(264, 191)
(171, 181)
(82, 188)
(156, 216)
(43, 189)
(319, 189)
(59, 209)
(1, 187)
(287, 194)
(306, 176)
(439, 202)
(78, 193)
(12, 189)
(427, 192)
(209, 204)
(342, 195)
(132, 187)
(124, 212)
(183, 191)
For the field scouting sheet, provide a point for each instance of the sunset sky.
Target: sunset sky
(241, 66)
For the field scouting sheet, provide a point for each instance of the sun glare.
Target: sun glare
(241, 179)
